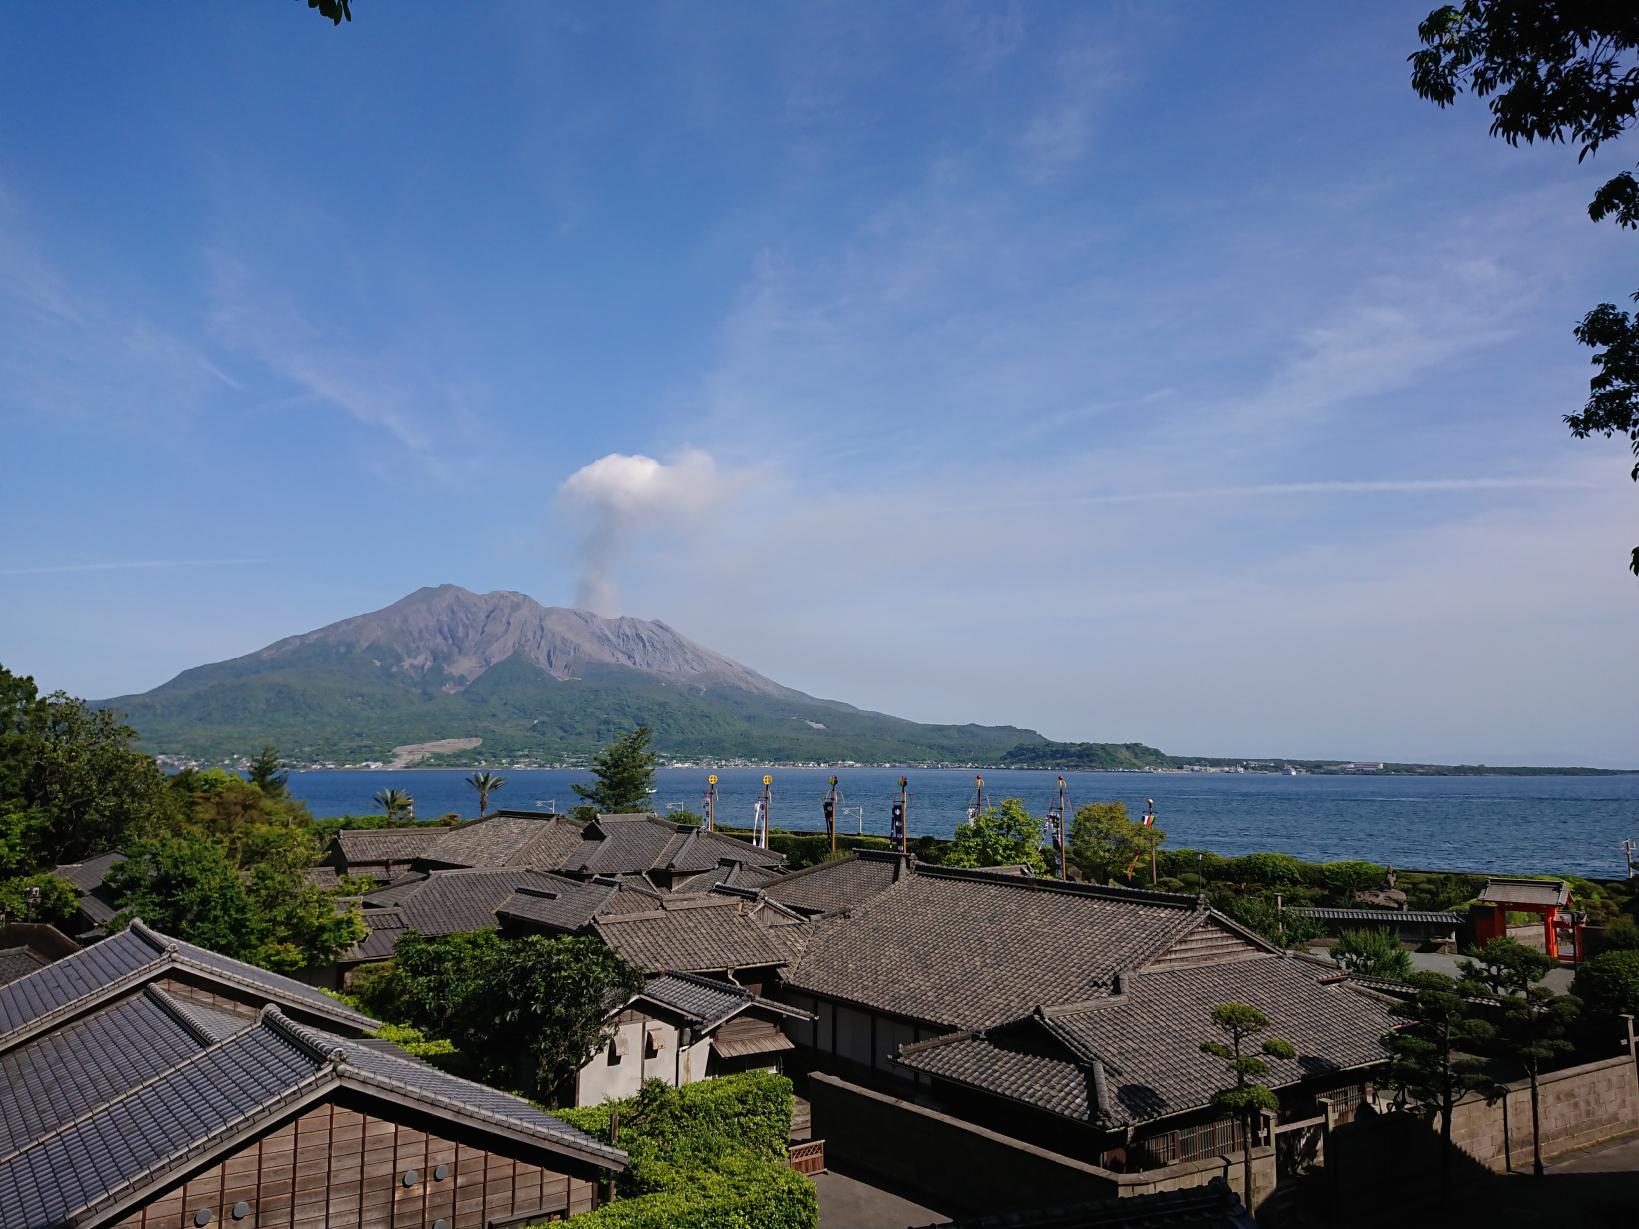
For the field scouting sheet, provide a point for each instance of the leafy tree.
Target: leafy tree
(1432, 1059)
(38, 898)
(1609, 983)
(267, 773)
(1534, 1018)
(71, 785)
(526, 1013)
(1561, 73)
(1282, 926)
(1247, 1096)
(397, 803)
(486, 783)
(625, 775)
(225, 806)
(336, 10)
(1106, 842)
(1372, 953)
(1007, 835)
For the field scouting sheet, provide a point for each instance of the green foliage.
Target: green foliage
(625, 775)
(524, 1013)
(1105, 842)
(1279, 926)
(1001, 836)
(260, 909)
(1621, 934)
(486, 783)
(810, 848)
(70, 784)
(1344, 879)
(1560, 73)
(440, 1051)
(1609, 983)
(266, 773)
(1275, 870)
(398, 805)
(1372, 953)
(38, 898)
(1432, 1056)
(1240, 1023)
(705, 1155)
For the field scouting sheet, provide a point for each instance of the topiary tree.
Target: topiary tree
(1344, 879)
(1609, 983)
(1534, 1018)
(1248, 1096)
(1275, 870)
(1372, 953)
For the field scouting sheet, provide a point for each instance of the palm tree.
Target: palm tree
(398, 804)
(486, 783)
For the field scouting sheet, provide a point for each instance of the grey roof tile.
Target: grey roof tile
(1375, 916)
(387, 844)
(543, 842)
(839, 884)
(707, 1001)
(1148, 1040)
(1540, 892)
(702, 933)
(90, 873)
(965, 949)
(18, 962)
(637, 844)
(731, 871)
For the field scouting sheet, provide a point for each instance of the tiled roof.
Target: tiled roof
(965, 949)
(1146, 1042)
(1505, 891)
(635, 844)
(702, 933)
(730, 871)
(839, 884)
(387, 844)
(325, 877)
(135, 956)
(508, 840)
(451, 902)
(706, 1001)
(1328, 914)
(96, 902)
(17, 962)
(382, 930)
(558, 902)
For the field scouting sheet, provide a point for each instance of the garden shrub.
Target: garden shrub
(1344, 879)
(1274, 870)
(1372, 953)
(1609, 984)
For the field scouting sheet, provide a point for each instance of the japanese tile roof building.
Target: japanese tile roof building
(714, 932)
(97, 906)
(664, 851)
(27, 946)
(146, 1084)
(730, 872)
(1542, 893)
(569, 905)
(840, 884)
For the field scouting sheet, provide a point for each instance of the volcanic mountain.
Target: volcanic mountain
(528, 680)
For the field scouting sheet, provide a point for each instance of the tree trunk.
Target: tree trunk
(1445, 1152)
(1246, 1160)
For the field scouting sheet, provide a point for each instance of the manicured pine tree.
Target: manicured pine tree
(1534, 1018)
(1241, 1022)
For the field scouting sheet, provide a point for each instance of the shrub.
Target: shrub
(1344, 879)
(1609, 984)
(1279, 926)
(763, 1197)
(1621, 935)
(1372, 953)
(1274, 870)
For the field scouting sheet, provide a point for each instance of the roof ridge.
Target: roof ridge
(172, 1008)
(99, 993)
(310, 1041)
(1141, 896)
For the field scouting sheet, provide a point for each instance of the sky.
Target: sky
(1162, 372)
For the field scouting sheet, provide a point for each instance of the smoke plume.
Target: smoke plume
(630, 498)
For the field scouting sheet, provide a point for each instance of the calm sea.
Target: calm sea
(1572, 825)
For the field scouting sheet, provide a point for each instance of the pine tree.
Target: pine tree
(1246, 1097)
(625, 775)
(266, 773)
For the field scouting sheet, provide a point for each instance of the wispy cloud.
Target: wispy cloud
(125, 565)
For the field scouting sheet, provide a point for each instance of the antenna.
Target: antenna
(711, 802)
(832, 797)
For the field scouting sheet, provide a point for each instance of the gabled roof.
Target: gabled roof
(568, 905)
(448, 902)
(706, 1002)
(507, 839)
(96, 1165)
(731, 872)
(705, 933)
(964, 949)
(1503, 890)
(387, 844)
(1140, 1048)
(839, 884)
(134, 957)
(97, 904)
(639, 844)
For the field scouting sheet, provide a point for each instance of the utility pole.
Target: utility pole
(1627, 856)
(831, 799)
(764, 806)
(711, 803)
(1061, 818)
(1149, 822)
(896, 820)
(975, 811)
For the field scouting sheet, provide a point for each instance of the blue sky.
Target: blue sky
(1163, 372)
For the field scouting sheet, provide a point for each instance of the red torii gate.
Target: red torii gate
(1549, 897)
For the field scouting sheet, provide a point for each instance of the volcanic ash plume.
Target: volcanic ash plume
(628, 497)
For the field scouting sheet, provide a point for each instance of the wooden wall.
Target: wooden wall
(338, 1168)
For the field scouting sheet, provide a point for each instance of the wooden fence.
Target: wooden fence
(807, 1157)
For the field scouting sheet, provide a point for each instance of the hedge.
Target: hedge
(763, 1196)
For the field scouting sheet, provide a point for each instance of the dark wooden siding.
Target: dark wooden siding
(337, 1168)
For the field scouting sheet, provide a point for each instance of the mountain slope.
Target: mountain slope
(529, 680)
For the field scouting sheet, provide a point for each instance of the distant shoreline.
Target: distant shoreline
(1447, 771)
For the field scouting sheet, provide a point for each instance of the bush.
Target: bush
(1279, 926)
(705, 1155)
(1344, 879)
(1609, 984)
(1275, 870)
(1621, 935)
(1372, 953)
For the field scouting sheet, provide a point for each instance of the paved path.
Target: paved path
(847, 1201)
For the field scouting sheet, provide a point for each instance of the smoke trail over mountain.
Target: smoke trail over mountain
(626, 498)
